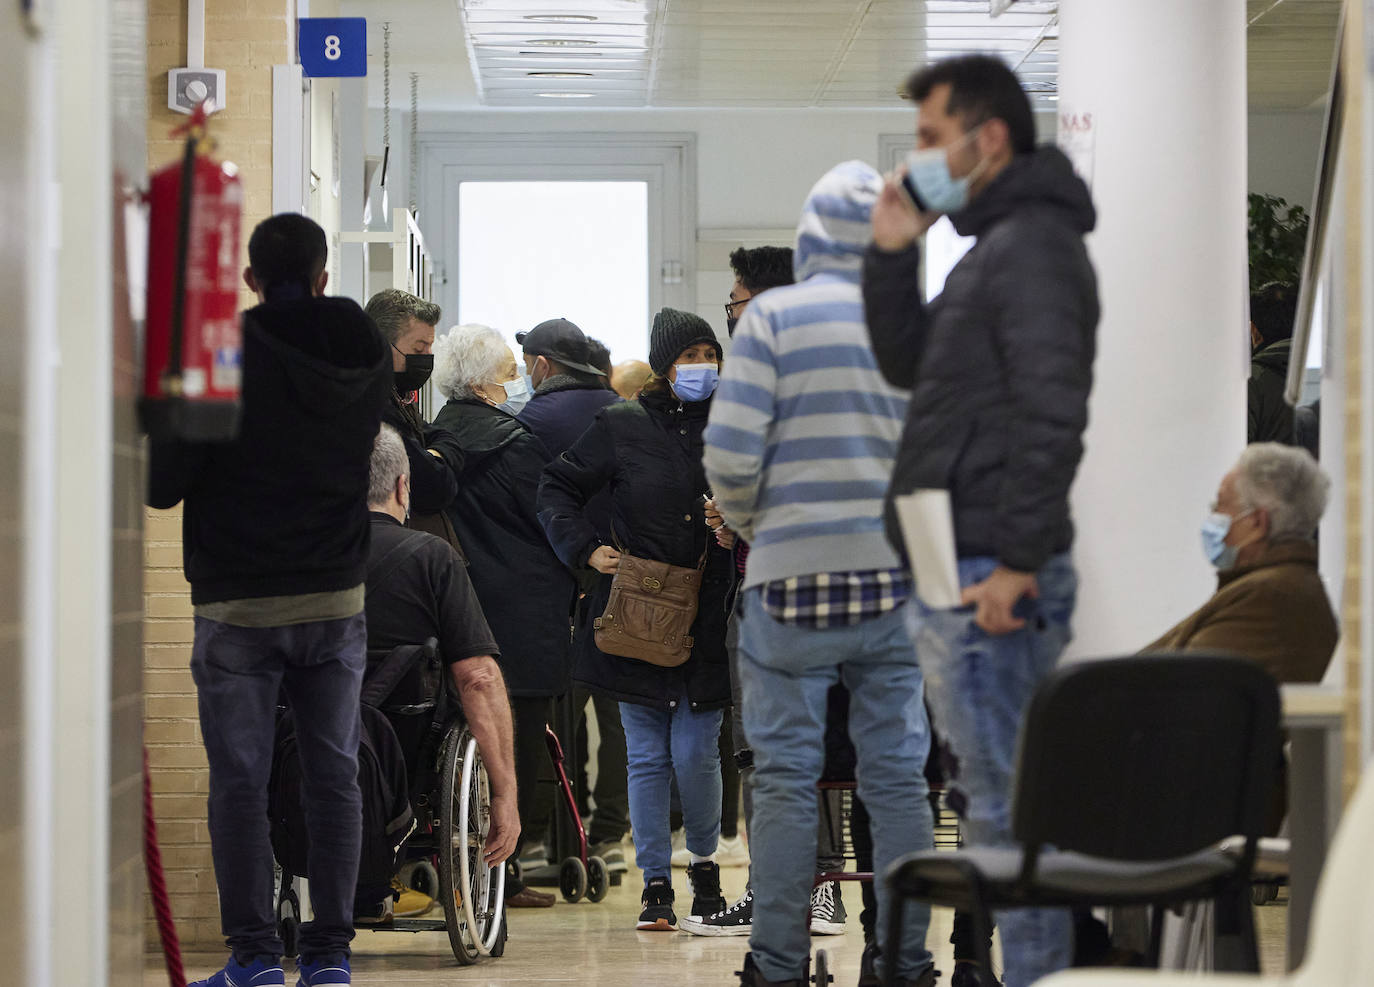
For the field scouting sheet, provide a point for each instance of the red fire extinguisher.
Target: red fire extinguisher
(193, 354)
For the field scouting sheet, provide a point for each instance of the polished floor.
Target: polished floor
(596, 944)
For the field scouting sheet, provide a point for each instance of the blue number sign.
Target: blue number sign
(331, 47)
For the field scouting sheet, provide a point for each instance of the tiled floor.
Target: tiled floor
(596, 944)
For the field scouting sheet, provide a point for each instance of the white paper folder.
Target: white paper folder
(928, 530)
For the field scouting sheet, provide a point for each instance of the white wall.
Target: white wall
(1283, 154)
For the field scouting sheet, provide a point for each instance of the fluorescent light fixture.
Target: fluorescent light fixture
(560, 18)
(562, 43)
(559, 75)
(563, 54)
(565, 95)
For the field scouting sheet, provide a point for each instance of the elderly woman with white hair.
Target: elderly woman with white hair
(1270, 605)
(526, 592)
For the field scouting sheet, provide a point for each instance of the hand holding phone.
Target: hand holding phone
(898, 218)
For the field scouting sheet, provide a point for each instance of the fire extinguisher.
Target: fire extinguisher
(193, 352)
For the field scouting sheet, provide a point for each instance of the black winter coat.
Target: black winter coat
(649, 453)
(999, 364)
(562, 409)
(433, 480)
(1270, 416)
(526, 593)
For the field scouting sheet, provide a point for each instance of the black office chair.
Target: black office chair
(1131, 771)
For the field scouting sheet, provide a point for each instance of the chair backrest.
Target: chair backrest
(1147, 757)
(1340, 950)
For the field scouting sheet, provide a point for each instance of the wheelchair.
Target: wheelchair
(451, 798)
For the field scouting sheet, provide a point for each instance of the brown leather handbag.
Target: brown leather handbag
(650, 612)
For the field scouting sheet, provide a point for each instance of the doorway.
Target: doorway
(535, 250)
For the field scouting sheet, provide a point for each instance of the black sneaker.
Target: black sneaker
(968, 973)
(706, 896)
(868, 966)
(750, 976)
(737, 920)
(827, 910)
(657, 900)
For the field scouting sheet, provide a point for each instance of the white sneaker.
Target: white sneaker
(732, 852)
(682, 857)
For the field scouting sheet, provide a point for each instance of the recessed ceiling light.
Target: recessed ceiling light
(562, 43)
(559, 75)
(566, 95)
(560, 18)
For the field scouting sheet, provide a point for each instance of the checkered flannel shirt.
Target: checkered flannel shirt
(836, 599)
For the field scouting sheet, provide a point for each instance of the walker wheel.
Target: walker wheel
(821, 973)
(598, 880)
(572, 879)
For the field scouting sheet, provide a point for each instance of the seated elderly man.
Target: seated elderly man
(418, 588)
(1270, 605)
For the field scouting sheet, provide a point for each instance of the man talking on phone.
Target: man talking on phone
(1000, 367)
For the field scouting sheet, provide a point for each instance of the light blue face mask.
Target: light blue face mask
(1214, 531)
(929, 173)
(517, 396)
(696, 381)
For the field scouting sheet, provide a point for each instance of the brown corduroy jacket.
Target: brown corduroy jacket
(1273, 610)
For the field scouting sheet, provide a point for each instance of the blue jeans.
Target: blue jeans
(239, 673)
(786, 671)
(979, 688)
(658, 744)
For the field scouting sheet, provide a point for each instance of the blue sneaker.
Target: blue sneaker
(260, 973)
(327, 972)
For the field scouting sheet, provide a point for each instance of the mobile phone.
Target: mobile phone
(913, 196)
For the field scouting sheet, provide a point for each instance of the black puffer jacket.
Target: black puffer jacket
(649, 453)
(1000, 363)
(525, 592)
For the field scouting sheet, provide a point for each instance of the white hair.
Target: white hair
(466, 358)
(1287, 483)
(389, 461)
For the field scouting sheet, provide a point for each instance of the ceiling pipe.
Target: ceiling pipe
(195, 34)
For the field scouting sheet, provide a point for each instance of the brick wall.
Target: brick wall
(245, 38)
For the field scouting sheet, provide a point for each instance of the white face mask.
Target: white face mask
(517, 396)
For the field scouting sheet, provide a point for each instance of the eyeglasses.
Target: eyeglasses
(731, 306)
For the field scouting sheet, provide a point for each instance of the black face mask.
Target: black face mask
(418, 368)
(730, 326)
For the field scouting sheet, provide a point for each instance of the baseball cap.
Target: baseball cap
(561, 340)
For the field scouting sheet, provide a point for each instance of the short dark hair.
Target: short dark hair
(981, 88)
(392, 309)
(599, 356)
(1273, 309)
(287, 249)
(761, 268)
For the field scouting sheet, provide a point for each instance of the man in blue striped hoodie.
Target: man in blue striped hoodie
(799, 452)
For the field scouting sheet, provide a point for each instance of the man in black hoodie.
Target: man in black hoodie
(276, 534)
(1000, 367)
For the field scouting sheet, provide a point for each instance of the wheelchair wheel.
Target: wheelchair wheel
(572, 879)
(821, 969)
(473, 893)
(598, 879)
(421, 876)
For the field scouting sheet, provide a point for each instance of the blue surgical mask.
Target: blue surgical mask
(929, 172)
(696, 381)
(1214, 531)
(517, 396)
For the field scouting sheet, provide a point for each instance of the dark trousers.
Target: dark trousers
(533, 773)
(611, 821)
(239, 673)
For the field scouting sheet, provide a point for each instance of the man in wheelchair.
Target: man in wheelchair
(418, 589)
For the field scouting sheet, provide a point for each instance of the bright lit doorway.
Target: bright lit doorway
(535, 250)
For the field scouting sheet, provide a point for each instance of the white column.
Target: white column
(1164, 83)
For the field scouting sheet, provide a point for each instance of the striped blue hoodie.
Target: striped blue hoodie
(804, 430)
